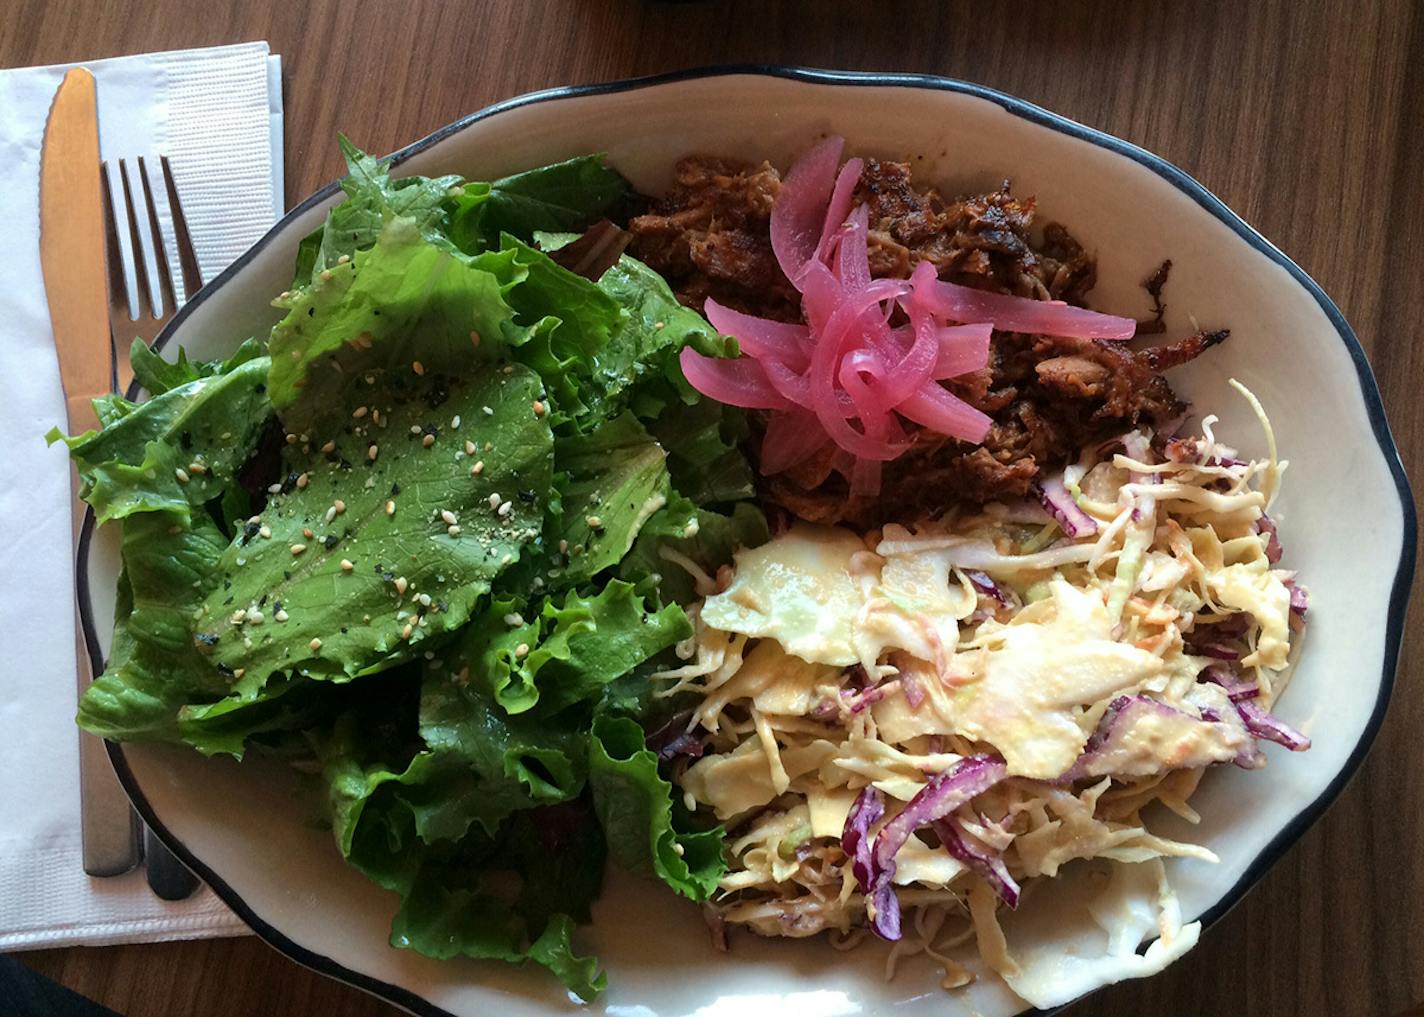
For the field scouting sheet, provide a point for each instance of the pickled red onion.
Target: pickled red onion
(848, 376)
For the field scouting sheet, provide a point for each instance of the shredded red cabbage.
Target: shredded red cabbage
(940, 797)
(855, 837)
(983, 861)
(1058, 500)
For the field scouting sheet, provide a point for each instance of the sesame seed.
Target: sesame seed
(298, 549)
(469, 448)
(659, 325)
(453, 531)
(494, 500)
(390, 508)
(379, 420)
(329, 447)
(401, 585)
(254, 617)
(521, 650)
(343, 259)
(563, 547)
(325, 275)
(292, 438)
(428, 440)
(265, 531)
(181, 474)
(238, 617)
(418, 367)
(197, 468)
(306, 532)
(489, 445)
(478, 468)
(487, 411)
(538, 408)
(315, 644)
(405, 632)
(359, 412)
(331, 513)
(424, 600)
(594, 522)
(474, 338)
(303, 481)
(450, 518)
(454, 422)
(303, 438)
(372, 452)
(506, 508)
(346, 565)
(274, 488)
(281, 614)
(239, 672)
(414, 428)
(339, 505)
(514, 620)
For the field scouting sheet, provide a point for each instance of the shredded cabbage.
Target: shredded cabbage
(1099, 674)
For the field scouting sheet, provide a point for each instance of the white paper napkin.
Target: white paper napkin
(217, 115)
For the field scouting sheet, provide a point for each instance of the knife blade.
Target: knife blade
(76, 287)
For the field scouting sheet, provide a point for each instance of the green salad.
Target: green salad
(410, 540)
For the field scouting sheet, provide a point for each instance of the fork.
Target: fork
(156, 299)
(145, 308)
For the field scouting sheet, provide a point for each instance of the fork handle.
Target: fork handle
(108, 824)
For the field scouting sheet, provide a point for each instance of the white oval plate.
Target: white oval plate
(1346, 518)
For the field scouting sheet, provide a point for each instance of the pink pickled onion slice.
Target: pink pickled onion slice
(1019, 314)
(799, 213)
(940, 410)
(853, 254)
(761, 338)
(962, 349)
(839, 207)
(740, 382)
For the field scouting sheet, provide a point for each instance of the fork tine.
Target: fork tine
(187, 255)
(140, 265)
(160, 249)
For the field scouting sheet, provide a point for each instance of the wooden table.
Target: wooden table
(1307, 118)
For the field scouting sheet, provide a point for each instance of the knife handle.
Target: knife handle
(108, 824)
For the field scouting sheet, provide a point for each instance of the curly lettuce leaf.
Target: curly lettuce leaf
(159, 375)
(635, 809)
(401, 303)
(564, 651)
(334, 591)
(143, 460)
(372, 200)
(154, 665)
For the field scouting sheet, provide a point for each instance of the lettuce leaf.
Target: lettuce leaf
(335, 592)
(154, 665)
(568, 649)
(133, 465)
(635, 809)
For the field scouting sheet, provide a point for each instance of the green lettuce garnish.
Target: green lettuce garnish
(414, 537)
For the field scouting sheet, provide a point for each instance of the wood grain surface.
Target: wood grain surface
(1304, 117)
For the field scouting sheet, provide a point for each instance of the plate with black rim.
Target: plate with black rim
(1346, 513)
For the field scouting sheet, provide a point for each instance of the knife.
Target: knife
(76, 286)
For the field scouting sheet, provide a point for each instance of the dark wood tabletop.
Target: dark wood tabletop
(1307, 118)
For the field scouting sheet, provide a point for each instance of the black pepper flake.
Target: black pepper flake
(260, 389)
(345, 463)
(344, 629)
(227, 583)
(263, 601)
(330, 541)
(228, 601)
(311, 312)
(250, 530)
(526, 496)
(226, 671)
(286, 573)
(207, 638)
(442, 606)
(185, 439)
(395, 490)
(276, 605)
